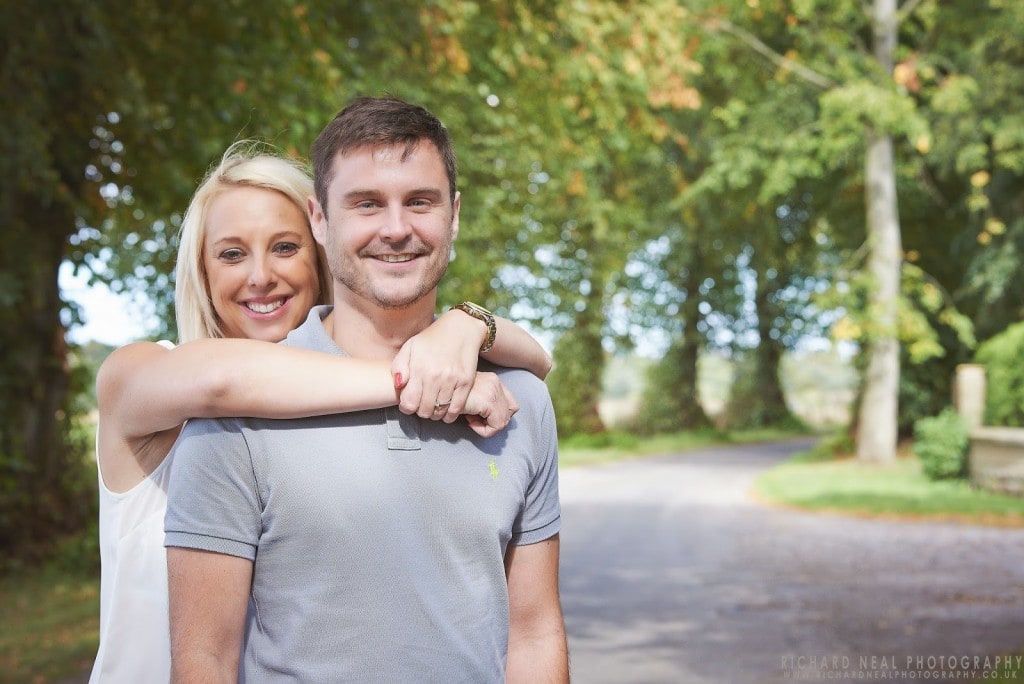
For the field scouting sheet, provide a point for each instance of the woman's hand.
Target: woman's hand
(435, 370)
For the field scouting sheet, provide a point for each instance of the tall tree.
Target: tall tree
(116, 109)
(877, 419)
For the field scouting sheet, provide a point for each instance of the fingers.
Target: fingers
(456, 405)
(439, 365)
(490, 406)
(480, 426)
(400, 366)
(438, 396)
(486, 403)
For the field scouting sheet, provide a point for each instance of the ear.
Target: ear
(455, 214)
(317, 220)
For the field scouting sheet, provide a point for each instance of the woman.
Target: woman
(248, 272)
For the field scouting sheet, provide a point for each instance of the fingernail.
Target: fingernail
(398, 380)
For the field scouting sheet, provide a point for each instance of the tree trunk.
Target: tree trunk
(575, 382)
(691, 411)
(771, 400)
(670, 401)
(34, 458)
(877, 422)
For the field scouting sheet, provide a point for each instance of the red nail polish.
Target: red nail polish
(398, 380)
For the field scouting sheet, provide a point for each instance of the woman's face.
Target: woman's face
(260, 261)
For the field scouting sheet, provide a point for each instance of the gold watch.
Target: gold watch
(480, 313)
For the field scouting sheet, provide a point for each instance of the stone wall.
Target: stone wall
(996, 458)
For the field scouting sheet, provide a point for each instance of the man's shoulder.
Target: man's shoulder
(530, 391)
(311, 334)
(517, 378)
(210, 426)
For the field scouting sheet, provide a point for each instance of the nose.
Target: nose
(395, 226)
(261, 274)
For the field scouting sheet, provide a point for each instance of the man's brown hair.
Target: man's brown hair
(376, 122)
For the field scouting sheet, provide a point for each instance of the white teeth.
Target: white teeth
(396, 258)
(265, 308)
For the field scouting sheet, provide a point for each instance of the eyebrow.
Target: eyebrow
(279, 235)
(361, 194)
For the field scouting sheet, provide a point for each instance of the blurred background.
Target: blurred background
(717, 214)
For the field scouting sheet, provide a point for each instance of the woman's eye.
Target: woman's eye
(233, 254)
(286, 248)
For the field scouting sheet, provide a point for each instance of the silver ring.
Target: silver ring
(441, 404)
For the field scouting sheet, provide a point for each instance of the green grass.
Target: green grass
(899, 489)
(49, 625)
(614, 446)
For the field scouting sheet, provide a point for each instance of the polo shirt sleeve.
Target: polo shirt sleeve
(212, 499)
(542, 515)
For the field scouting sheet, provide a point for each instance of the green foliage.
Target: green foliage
(589, 135)
(608, 439)
(925, 313)
(575, 383)
(941, 442)
(924, 391)
(848, 110)
(926, 385)
(1003, 358)
(838, 444)
(42, 502)
(669, 402)
(115, 110)
(757, 401)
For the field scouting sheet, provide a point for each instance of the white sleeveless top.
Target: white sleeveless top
(135, 643)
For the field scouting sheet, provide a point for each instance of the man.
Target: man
(371, 546)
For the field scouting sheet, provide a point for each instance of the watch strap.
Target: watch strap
(480, 313)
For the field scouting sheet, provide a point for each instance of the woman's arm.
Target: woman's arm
(145, 392)
(150, 388)
(425, 380)
(516, 348)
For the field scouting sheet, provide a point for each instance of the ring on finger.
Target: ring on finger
(441, 404)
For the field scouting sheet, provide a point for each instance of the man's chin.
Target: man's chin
(397, 303)
(393, 300)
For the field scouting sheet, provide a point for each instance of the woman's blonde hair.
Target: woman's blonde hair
(245, 164)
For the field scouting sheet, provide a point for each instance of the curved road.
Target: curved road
(671, 573)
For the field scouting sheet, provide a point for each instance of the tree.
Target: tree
(117, 109)
(877, 418)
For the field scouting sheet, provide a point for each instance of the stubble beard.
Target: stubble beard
(349, 276)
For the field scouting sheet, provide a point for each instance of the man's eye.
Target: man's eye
(366, 204)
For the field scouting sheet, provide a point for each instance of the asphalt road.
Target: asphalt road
(672, 573)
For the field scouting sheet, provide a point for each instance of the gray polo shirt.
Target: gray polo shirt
(378, 539)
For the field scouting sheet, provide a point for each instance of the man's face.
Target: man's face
(391, 225)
